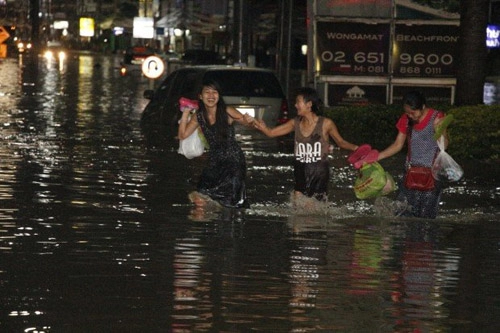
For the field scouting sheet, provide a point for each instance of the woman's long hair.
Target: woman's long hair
(221, 116)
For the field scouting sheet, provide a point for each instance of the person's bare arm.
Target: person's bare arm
(186, 125)
(280, 130)
(243, 119)
(333, 132)
(394, 148)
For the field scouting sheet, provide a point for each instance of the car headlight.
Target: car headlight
(51, 54)
(48, 54)
(22, 46)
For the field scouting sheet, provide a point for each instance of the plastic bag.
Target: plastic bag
(192, 146)
(444, 167)
(373, 181)
(390, 185)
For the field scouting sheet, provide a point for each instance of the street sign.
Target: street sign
(152, 67)
(4, 35)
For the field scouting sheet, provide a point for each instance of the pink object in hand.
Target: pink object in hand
(359, 153)
(187, 104)
(371, 157)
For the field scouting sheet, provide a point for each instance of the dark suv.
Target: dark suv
(255, 91)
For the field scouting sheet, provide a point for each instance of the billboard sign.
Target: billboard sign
(425, 50)
(348, 48)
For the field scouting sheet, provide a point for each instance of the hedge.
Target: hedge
(474, 133)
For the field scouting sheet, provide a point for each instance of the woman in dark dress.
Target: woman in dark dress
(223, 179)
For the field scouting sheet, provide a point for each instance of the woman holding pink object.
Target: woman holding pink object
(418, 126)
(223, 179)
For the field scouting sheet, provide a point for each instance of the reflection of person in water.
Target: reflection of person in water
(308, 259)
(223, 179)
(414, 296)
(312, 135)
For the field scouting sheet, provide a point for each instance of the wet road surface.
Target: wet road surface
(97, 233)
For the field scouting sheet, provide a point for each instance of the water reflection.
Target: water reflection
(419, 282)
(97, 233)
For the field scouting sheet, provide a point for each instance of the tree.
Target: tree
(472, 53)
(128, 9)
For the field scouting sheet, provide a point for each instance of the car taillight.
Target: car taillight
(283, 117)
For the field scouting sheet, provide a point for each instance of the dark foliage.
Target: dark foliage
(474, 133)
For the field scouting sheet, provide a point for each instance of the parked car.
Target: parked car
(255, 91)
(135, 55)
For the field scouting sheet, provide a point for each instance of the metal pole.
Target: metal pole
(240, 32)
(289, 46)
(281, 42)
(311, 42)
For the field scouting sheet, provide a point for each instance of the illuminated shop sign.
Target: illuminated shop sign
(493, 36)
(86, 27)
(143, 27)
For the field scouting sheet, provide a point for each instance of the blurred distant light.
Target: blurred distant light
(178, 32)
(493, 36)
(303, 48)
(118, 31)
(61, 25)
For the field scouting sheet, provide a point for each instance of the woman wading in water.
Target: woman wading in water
(223, 179)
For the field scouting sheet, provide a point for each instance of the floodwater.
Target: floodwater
(97, 233)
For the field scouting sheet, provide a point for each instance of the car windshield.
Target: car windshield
(246, 83)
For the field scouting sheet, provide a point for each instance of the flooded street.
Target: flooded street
(97, 233)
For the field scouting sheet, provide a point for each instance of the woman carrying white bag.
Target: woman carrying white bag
(424, 131)
(444, 168)
(192, 146)
(223, 178)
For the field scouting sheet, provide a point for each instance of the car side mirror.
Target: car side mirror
(148, 94)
